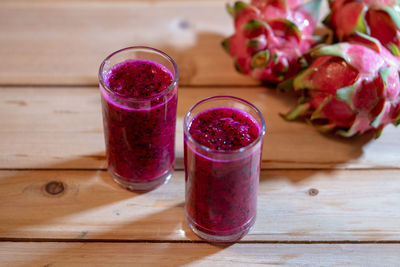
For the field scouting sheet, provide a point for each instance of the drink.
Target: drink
(139, 112)
(223, 146)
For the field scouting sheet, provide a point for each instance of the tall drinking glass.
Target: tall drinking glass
(138, 88)
(223, 138)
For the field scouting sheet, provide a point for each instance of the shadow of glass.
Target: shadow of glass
(99, 190)
(52, 195)
(319, 152)
(207, 49)
(91, 193)
(121, 254)
(135, 234)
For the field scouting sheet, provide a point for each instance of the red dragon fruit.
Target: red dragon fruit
(377, 18)
(270, 36)
(350, 88)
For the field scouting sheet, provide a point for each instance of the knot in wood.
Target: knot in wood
(313, 192)
(54, 187)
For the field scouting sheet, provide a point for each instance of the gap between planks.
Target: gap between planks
(303, 242)
(295, 206)
(38, 119)
(89, 86)
(181, 169)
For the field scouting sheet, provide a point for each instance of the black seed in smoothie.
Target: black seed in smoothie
(220, 196)
(140, 141)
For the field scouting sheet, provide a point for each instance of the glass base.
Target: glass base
(142, 186)
(221, 237)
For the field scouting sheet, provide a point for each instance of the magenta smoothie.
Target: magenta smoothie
(139, 123)
(222, 183)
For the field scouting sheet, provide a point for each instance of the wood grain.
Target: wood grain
(150, 254)
(53, 128)
(109, 1)
(62, 42)
(296, 205)
(323, 200)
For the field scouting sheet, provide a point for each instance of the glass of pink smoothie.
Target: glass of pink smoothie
(138, 88)
(223, 138)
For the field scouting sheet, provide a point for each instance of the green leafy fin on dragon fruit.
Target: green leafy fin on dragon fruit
(377, 18)
(349, 88)
(270, 36)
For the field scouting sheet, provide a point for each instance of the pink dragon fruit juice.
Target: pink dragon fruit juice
(223, 139)
(139, 99)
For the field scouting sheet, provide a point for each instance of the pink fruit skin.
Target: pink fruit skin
(221, 195)
(371, 17)
(139, 141)
(350, 88)
(286, 35)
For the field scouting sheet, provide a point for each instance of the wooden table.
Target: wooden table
(323, 200)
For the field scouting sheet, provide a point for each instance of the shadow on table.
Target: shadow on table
(80, 192)
(354, 147)
(83, 193)
(206, 63)
(175, 224)
(159, 251)
(49, 191)
(330, 151)
(305, 150)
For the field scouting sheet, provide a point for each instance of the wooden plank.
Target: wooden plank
(64, 42)
(114, 1)
(62, 128)
(166, 254)
(342, 206)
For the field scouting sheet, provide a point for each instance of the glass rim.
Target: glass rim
(140, 99)
(236, 151)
